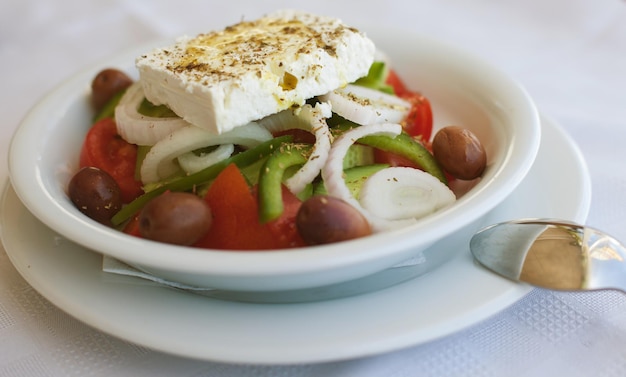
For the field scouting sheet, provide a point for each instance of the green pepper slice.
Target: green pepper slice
(408, 147)
(271, 177)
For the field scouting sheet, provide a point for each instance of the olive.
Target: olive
(324, 219)
(95, 193)
(179, 218)
(459, 152)
(106, 84)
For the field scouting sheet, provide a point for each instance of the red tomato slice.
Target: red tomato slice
(284, 228)
(236, 223)
(419, 122)
(396, 83)
(392, 159)
(235, 215)
(132, 227)
(104, 149)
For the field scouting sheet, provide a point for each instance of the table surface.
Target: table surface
(569, 54)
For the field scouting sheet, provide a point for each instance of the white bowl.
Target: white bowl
(463, 90)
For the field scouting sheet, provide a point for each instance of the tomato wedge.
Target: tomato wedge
(419, 122)
(132, 226)
(396, 83)
(284, 229)
(393, 160)
(104, 149)
(236, 224)
(235, 220)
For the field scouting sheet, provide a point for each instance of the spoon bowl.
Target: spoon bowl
(553, 254)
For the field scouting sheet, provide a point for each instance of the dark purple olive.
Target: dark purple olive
(178, 218)
(95, 193)
(324, 219)
(459, 152)
(106, 84)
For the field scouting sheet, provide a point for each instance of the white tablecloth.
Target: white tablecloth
(569, 54)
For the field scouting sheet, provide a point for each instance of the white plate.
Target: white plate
(456, 295)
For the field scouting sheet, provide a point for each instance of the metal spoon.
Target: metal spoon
(553, 254)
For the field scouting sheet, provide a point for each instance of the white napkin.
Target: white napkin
(115, 266)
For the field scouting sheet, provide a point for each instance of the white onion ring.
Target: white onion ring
(192, 163)
(367, 106)
(397, 193)
(159, 162)
(140, 129)
(332, 172)
(308, 118)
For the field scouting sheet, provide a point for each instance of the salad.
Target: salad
(284, 168)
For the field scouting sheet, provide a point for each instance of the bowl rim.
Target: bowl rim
(38, 198)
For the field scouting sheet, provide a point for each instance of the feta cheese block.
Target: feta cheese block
(221, 80)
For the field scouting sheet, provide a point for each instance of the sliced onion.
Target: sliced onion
(308, 118)
(140, 129)
(191, 162)
(397, 193)
(367, 106)
(332, 172)
(159, 162)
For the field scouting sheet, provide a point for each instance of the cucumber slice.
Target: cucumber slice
(358, 155)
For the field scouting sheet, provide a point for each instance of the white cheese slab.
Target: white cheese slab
(221, 80)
